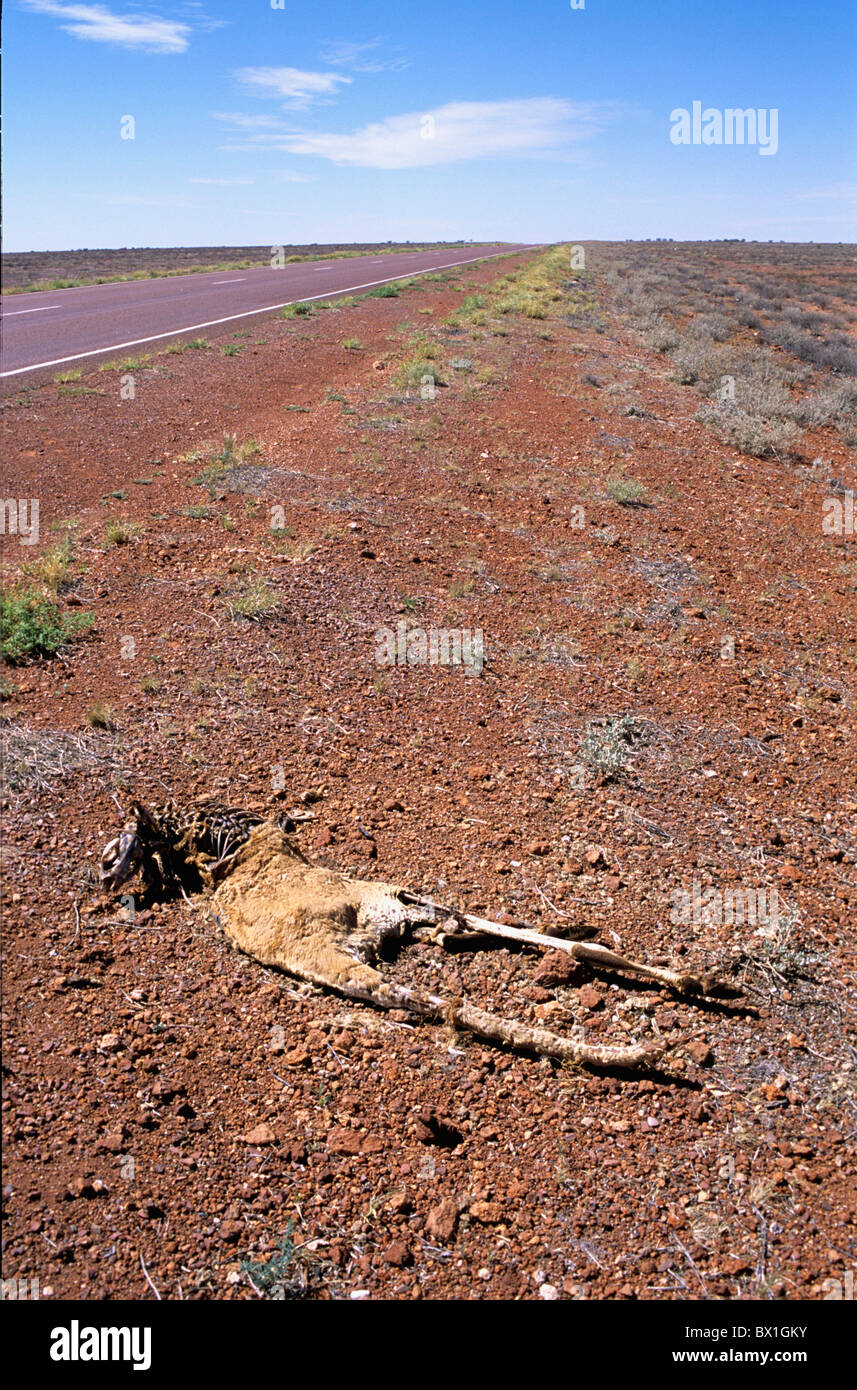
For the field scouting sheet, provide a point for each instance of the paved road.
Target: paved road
(46, 330)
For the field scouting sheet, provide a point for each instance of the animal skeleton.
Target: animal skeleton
(327, 928)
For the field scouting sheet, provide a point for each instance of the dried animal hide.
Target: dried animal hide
(327, 928)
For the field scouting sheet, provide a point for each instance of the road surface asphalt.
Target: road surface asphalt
(51, 329)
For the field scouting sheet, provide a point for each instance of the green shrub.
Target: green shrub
(627, 492)
(31, 624)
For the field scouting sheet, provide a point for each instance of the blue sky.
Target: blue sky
(328, 121)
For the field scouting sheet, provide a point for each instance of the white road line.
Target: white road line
(41, 309)
(249, 313)
(239, 281)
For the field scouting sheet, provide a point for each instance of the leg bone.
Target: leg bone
(682, 981)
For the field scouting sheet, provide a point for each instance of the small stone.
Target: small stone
(298, 1057)
(80, 1187)
(548, 1292)
(344, 1141)
(591, 998)
(487, 1213)
(112, 1143)
(442, 1221)
(556, 968)
(538, 995)
(397, 1254)
(700, 1053)
(111, 1042)
(262, 1134)
(230, 1232)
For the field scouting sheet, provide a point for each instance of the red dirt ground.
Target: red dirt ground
(169, 1104)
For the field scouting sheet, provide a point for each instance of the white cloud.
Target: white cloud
(245, 122)
(343, 54)
(290, 176)
(222, 183)
(300, 89)
(98, 23)
(458, 131)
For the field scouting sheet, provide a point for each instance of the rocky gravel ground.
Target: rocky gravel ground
(664, 718)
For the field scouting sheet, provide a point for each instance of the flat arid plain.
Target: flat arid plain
(621, 477)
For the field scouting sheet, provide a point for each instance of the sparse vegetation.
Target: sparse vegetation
(420, 363)
(120, 532)
(265, 1276)
(252, 598)
(606, 744)
(100, 716)
(127, 364)
(751, 433)
(221, 462)
(625, 492)
(53, 567)
(300, 310)
(32, 624)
